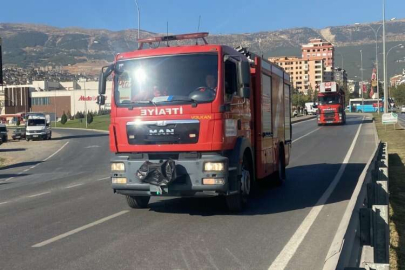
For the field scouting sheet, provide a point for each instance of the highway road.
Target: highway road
(62, 214)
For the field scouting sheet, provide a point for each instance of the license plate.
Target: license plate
(35, 136)
(329, 122)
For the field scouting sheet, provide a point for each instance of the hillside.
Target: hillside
(40, 45)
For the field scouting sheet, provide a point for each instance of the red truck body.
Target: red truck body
(331, 104)
(219, 139)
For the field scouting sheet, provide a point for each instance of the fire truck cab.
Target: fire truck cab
(195, 120)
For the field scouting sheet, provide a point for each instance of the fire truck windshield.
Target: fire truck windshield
(157, 80)
(330, 99)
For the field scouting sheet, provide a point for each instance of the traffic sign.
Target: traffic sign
(390, 118)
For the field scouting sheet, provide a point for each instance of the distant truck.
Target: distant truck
(331, 104)
(38, 126)
(311, 107)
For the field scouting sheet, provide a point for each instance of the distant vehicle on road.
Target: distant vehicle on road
(18, 134)
(402, 109)
(331, 104)
(365, 105)
(3, 133)
(312, 107)
(38, 126)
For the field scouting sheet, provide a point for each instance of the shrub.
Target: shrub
(63, 120)
(89, 118)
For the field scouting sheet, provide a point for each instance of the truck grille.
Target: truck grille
(163, 132)
(329, 115)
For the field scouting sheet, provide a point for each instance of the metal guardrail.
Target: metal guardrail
(362, 239)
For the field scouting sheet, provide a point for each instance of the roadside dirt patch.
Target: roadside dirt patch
(14, 151)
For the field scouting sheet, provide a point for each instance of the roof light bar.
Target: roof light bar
(201, 35)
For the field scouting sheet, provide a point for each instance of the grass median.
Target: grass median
(99, 122)
(396, 154)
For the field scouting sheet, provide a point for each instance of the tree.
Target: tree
(398, 93)
(69, 115)
(89, 118)
(63, 120)
(18, 122)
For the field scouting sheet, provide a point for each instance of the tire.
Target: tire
(137, 202)
(280, 176)
(236, 202)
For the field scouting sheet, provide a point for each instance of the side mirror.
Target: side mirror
(102, 80)
(244, 79)
(100, 100)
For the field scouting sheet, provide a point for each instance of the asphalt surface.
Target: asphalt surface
(67, 200)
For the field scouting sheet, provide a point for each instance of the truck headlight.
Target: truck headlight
(118, 167)
(214, 166)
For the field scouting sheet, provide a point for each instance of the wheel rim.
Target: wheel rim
(245, 182)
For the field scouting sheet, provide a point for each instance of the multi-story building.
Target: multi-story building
(304, 74)
(319, 49)
(315, 66)
(340, 76)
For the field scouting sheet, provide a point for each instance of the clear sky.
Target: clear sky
(217, 16)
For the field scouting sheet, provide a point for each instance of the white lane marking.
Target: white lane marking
(311, 119)
(299, 138)
(291, 247)
(92, 146)
(60, 149)
(8, 179)
(105, 178)
(69, 233)
(3, 202)
(72, 186)
(39, 194)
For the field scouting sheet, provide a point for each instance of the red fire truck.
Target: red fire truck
(331, 104)
(196, 120)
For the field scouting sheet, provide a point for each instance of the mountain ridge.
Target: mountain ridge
(26, 45)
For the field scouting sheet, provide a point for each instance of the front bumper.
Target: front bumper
(188, 183)
(34, 136)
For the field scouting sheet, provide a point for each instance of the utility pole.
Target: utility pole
(139, 17)
(385, 64)
(361, 70)
(85, 102)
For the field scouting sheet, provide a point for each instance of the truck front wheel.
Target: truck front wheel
(138, 201)
(281, 167)
(236, 202)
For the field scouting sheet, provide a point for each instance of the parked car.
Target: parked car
(403, 109)
(18, 134)
(3, 132)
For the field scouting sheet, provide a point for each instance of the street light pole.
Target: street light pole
(139, 16)
(361, 70)
(85, 103)
(385, 64)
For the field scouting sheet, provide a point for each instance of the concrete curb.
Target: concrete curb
(86, 129)
(362, 238)
(302, 119)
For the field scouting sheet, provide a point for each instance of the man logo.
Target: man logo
(167, 131)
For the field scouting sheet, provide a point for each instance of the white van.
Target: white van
(38, 127)
(311, 107)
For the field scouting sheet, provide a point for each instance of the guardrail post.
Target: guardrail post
(365, 226)
(380, 234)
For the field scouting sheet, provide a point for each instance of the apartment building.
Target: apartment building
(319, 49)
(305, 74)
